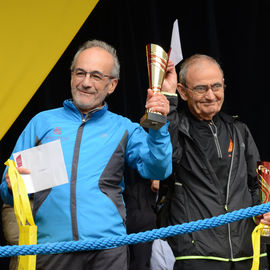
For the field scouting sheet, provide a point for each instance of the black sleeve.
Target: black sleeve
(252, 156)
(173, 118)
(140, 203)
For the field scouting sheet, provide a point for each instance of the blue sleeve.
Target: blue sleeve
(150, 153)
(6, 196)
(25, 141)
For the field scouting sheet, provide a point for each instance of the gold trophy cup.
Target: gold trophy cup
(157, 60)
(263, 176)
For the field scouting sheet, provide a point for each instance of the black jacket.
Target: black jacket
(195, 191)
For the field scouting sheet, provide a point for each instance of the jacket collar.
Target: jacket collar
(97, 112)
(185, 115)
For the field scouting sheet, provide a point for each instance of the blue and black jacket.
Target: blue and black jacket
(96, 147)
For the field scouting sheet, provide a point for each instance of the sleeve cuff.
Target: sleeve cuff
(168, 94)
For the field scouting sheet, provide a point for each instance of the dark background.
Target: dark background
(236, 33)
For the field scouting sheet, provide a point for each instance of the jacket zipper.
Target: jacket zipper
(214, 132)
(227, 197)
(73, 183)
(213, 129)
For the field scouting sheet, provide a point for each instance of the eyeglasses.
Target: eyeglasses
(95, 75)
(202, 89)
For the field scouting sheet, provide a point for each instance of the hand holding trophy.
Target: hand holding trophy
(157, 60)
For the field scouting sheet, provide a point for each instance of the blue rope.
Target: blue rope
(142, 237)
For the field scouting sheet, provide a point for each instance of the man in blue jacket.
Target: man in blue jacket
(96, 144)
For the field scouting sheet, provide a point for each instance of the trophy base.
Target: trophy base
(153, 120)
(265, 239)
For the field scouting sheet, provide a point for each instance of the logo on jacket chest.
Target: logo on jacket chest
(57, 131)
(56, 134)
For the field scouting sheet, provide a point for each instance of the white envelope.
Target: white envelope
(176, 53)
(47, 166)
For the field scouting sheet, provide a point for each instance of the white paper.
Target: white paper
(176, 51)
(46, 165)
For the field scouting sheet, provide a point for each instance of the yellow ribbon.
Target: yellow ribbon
(23, 213)
(256, 242)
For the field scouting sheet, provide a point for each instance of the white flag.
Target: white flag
(176, 51)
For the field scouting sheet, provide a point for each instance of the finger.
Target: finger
(157, 96)
(8, 184)
(265, 222)
(150, 93)
(157, 100)
(170, 64)
(22, 170)
(154, 186)
(266, 217)
(163, 109)
(8, 180)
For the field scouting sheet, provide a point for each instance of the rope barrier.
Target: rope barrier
(142, 237)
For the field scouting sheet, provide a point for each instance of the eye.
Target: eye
(200, 88)
(216, 86)
(96, 76)
(80, 73)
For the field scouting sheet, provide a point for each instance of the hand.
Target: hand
(157, 102)
(264, 219)
(20, 170)
(155, 185)
(170, 81)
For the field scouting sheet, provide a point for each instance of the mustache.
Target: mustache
(86, 90)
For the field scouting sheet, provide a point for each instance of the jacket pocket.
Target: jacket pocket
(183, 244)
(179, 210)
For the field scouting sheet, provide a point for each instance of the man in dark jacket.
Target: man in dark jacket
(214, 164)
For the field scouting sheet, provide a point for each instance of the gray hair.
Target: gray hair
(193, 60)
(101, 44)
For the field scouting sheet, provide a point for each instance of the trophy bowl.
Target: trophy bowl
(157, 60)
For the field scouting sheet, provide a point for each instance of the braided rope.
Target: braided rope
(142, 237)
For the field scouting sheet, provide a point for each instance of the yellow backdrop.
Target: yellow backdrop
(34, 34)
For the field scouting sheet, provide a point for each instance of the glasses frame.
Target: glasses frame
(208, 86)
(91, 74)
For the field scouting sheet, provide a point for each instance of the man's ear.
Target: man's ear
(182, 91)
(112, 85)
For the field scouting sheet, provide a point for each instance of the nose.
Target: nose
(87, 81)
(210, 94)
